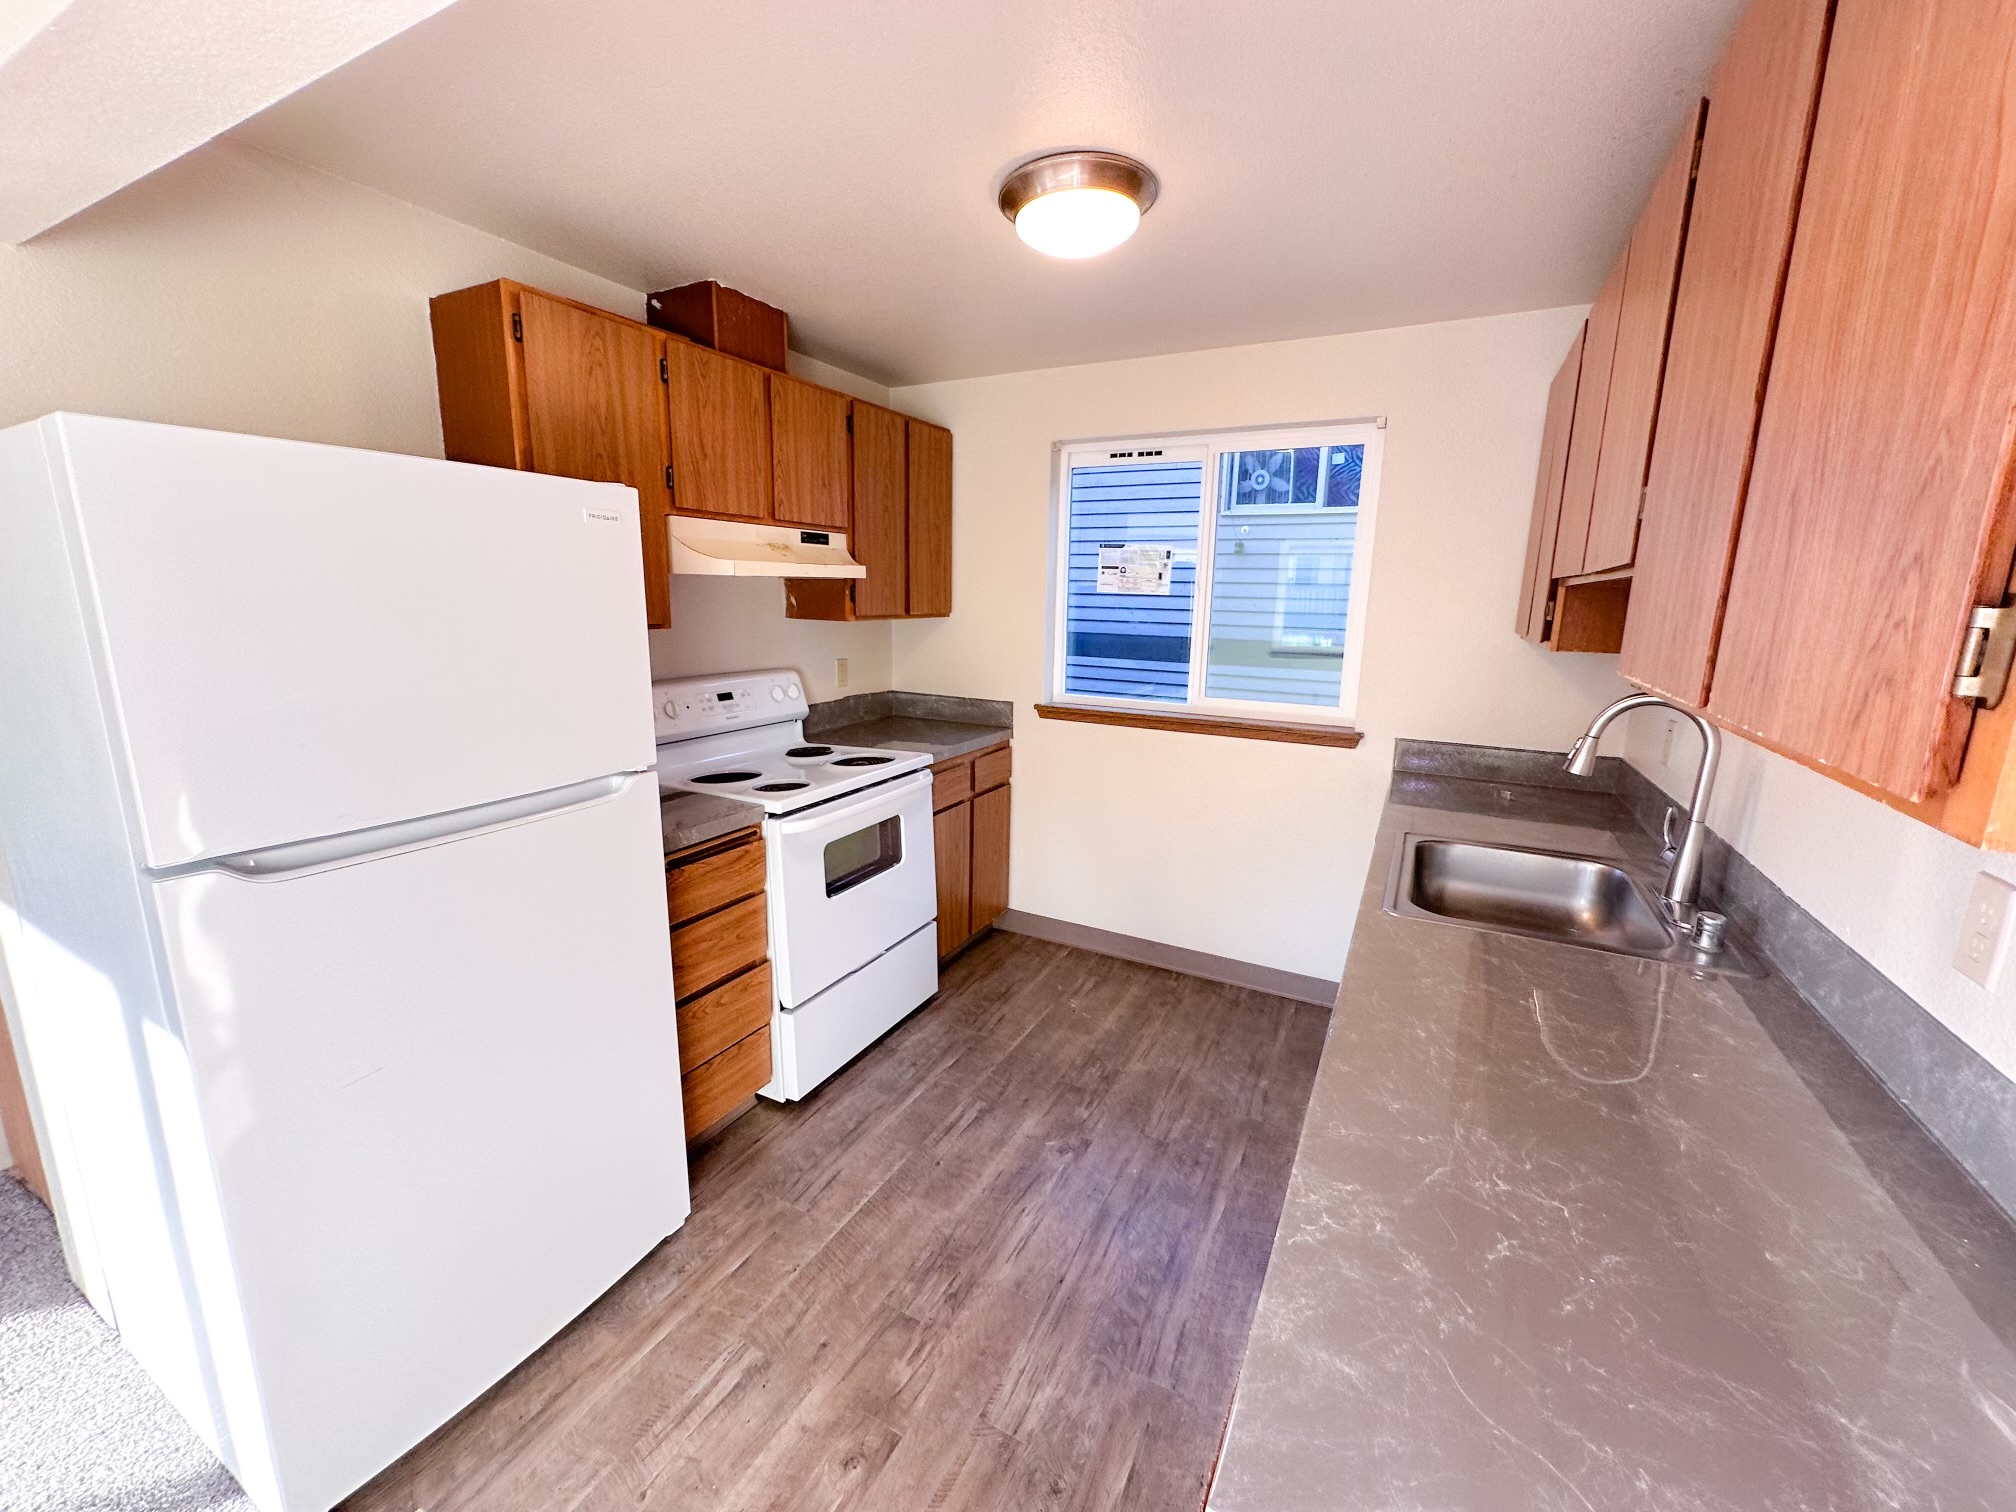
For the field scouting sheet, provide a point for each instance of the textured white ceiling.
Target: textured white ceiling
(1327, 165)
(97, 93)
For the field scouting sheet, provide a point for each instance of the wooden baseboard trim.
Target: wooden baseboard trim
(1190, 724)
(1197, 963)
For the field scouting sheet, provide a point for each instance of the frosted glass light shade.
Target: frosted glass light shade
(1078, 204)
(1077, 222)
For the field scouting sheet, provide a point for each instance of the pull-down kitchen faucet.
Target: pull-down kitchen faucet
(1683, 881)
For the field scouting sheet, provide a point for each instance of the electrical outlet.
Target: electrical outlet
(839, 671)
(1984, 935)
(1666, 741)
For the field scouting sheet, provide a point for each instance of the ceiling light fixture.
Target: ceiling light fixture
(1078, 204)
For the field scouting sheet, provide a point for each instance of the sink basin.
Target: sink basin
(1544, 895)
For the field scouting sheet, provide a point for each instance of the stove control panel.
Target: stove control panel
(689, 706)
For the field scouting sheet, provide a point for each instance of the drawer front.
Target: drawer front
(712, 949)
(718, 1018)
(713, 1090)
(951, 782)
(693, 888)
(991, 769)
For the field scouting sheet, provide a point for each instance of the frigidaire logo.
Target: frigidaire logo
(602, 514)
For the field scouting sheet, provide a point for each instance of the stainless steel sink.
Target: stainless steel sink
(1543, 895)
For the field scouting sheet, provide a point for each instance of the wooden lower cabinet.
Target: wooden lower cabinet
(721, 975)
(952, 836)
(15, 1123)
(990, 858)
(724, 1015)
(970, 828)
(709, 1093)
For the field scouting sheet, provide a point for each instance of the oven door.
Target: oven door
(847, 881)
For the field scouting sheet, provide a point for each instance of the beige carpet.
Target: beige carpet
(82, 1428)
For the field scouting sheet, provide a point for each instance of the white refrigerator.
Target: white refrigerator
(332, 920)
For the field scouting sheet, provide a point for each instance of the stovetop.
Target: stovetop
(737, 737)
(784, 780)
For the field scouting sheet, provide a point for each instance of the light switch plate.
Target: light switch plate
(1984, 934)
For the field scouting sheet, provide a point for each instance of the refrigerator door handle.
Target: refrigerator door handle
(301, 858)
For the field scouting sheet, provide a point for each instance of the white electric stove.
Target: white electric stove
(853, 894)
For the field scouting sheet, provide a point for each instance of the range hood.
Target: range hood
(736, 548)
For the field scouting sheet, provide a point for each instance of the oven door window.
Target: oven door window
(853, 859)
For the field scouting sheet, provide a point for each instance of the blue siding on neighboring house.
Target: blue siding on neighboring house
(1279, 603)
(1124, 644)
(1281, 589)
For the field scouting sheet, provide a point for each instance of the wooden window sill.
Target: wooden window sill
(1191, 724)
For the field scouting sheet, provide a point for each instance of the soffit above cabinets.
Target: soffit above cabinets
(95, 94)
(1347, 166)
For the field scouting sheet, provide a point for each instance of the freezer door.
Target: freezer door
(440, 1091)
(304, 640)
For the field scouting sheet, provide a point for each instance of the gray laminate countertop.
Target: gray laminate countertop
(689, 818)
(943, 738)
(1571, 1231)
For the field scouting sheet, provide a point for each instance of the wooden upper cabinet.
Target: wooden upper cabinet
(1877, 513)
(809, 454)
(479, 372)
(930, 521)
(1739, 237)
(595, 408)
(533, 381)
(1585, 439)
(720, 417)
(880, 541)
(1644, 317)
(1537, 584)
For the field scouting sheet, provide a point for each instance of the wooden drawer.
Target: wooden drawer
(951, 782)
(991, 768)
(713, 1089)
(712, 949)
(712, 880)
(711, 1022)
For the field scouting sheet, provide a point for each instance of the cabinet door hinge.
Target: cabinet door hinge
(664, 370)
(517, 326)
(1986, 655)
(668, 477)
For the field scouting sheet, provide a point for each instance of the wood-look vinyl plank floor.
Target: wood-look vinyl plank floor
(1006, 1260)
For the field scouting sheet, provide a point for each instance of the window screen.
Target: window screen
(1132, 578)
(1253, 612)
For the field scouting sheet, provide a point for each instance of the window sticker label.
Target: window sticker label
(1135, 569)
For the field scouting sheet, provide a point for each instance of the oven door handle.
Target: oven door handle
(853, 813)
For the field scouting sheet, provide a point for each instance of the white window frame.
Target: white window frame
(1210, 447)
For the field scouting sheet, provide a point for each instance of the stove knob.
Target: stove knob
(776, 692)
(671, 708)
(793, 693)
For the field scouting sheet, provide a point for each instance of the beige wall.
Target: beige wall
(237, 291)
(1245, 848)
